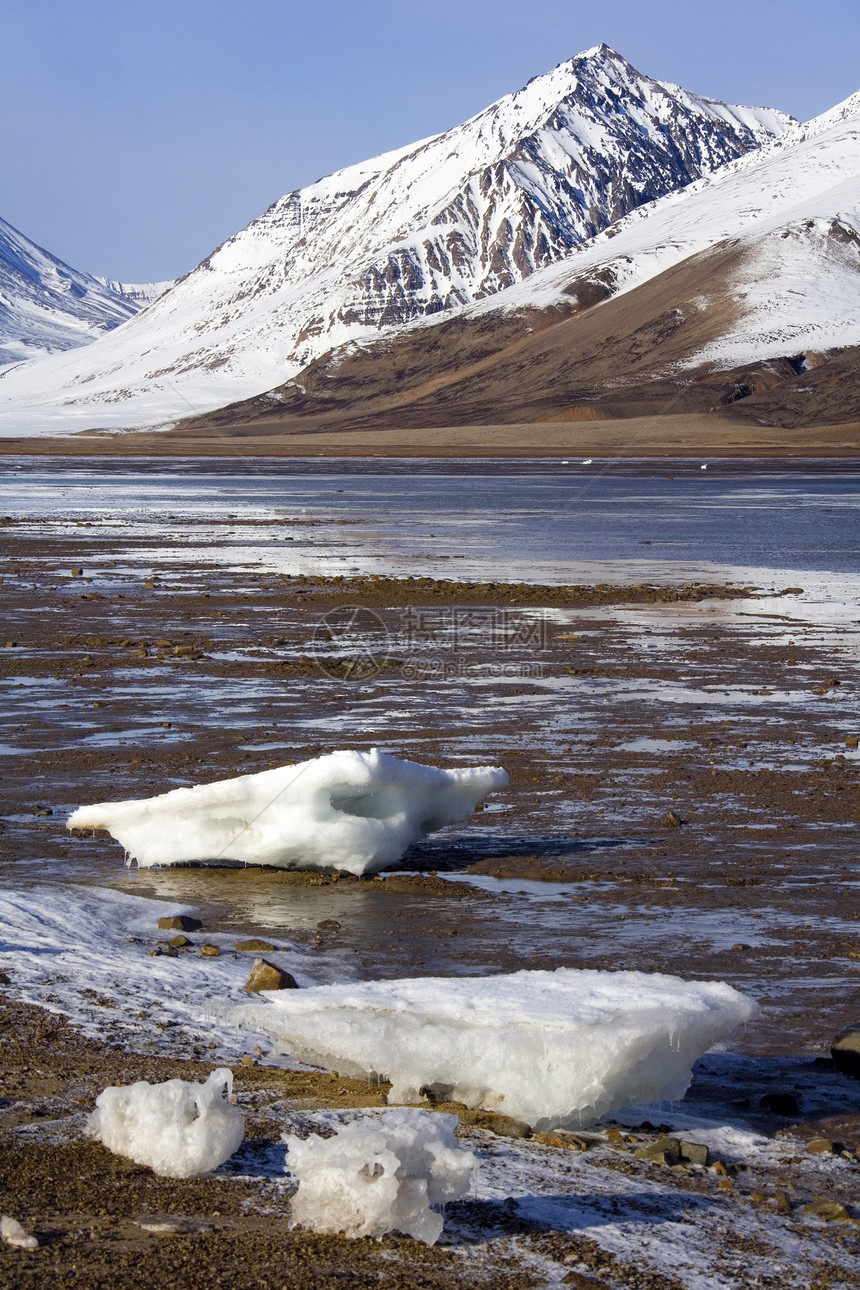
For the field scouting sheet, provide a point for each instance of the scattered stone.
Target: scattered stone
(179, 923)
(726, 1184)
(845, 1050)
(180, 942)
(254, 946)
(852, 741)
(780, 1103)
(820, 1147)
(247, 1060)
(695, 1153)
(267, 976)
(77, 573)
(720, 1168)
(672, 821)
(210, 951)
(828, 1210)
(5, 979)
(329, 925)
(614, 1135)
(163, 948)
(564, 1139)
(580, 1281)
(504, 1126)
(665, 1151)
(782, 1201)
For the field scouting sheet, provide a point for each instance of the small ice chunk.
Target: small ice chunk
(380, 1175)
(550, 1048)
(356, 811)
(179, 1129)
(13, 1234)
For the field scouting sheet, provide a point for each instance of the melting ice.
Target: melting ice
(550, 1048)
(355, 811)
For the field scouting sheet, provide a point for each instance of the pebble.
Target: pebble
(210, 951)
(254, 945)
(179, 942)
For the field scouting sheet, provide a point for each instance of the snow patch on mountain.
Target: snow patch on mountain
(407, 236)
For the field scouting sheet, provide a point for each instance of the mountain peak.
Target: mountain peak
(408, 236)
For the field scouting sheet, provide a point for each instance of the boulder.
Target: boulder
(845, 1050)
(268, 976)
(179, 923)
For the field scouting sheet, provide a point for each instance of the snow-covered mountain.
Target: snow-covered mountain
(47, 307)
(758, 263)
(409, 235)
(139, 293)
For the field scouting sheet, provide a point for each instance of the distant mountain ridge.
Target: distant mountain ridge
(408, 236)
(48, 307)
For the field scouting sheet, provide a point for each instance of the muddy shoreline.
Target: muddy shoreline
(684, 798)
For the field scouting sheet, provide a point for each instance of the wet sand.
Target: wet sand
(684, 798)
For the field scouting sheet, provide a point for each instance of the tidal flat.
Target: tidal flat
(684, 796)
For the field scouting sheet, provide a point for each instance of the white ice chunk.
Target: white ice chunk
(13, 1234)
(179, 1129)
(356, 811)
(550, 1048)
(380, 1175)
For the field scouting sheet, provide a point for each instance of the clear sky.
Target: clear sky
(137, 136)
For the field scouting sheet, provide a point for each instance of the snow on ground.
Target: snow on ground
(353, 811)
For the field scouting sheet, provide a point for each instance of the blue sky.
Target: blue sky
(137, 137)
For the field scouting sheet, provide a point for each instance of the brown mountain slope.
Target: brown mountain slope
(594, 358)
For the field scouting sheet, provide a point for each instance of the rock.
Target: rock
(77, 572)
(267, 976)
(179, 942)
(782, 1201)
(580, 1281)
(780, 1103)
(504, 1126)
(247, 1060)
(828, 1210)
(14, 1234)
(852, 741)
(254, 946)
(845, 1050)
(179, 923)
(164, 947)
(563, 1138)
(695, 1153)
(665, 1151)
(819, 1147)
(672, 821)
(5, 979)
(328, 925)
(209, 951)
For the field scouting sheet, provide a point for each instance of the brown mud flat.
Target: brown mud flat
(693, 435)
(611, 708)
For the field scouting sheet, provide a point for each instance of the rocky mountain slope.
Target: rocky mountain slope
(410, 235)
(47, 307)
(744, 285)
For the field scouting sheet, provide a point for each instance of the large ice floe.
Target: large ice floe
(380, 1175)
(179, 1129)
(355, 811)
(550, 1048)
